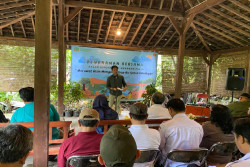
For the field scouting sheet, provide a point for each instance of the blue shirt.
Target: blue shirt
(26, 114)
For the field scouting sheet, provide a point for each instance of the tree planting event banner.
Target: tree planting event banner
(92, 66)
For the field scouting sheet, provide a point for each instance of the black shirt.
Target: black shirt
(115, 82)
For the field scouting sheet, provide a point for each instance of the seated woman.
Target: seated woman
(3, 118)
(100, 104)
(218, 129)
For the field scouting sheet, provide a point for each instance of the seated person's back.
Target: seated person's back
(180, 132)
(87, 142)
(242, 140)
(16, 141)
(26, 113)
(157, 111)
(145, 137)
(240, 108)
(218, 129)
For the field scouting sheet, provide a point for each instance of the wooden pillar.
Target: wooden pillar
(248, 73)
(62, 56)
(42, 81)
(209, 78)
(179, 67)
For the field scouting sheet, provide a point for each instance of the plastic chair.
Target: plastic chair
(147, 156)
(83, 161)
(188, 155)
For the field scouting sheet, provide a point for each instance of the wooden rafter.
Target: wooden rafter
(221, 28)
(218, 32)
(191, 41)
(137, 30)
(24, 33)
(214, 43)
(171, 37)
(188, 23)
(162, 35)
(161, 4)
(190, 3)
(55, 18)
(14, 14)
(33, 24)
(189, 35)
(175, 24)
(197, 44)
(12, 31)
(120, 24)
(226, 24)
(240, 5)
(72, 15)
(200, 37)
(118, 8)
(1, 32)
(90, 17)
(215, 37)
(235, 12)
(203, 6)
(177, 40)
(126, 33)
(110, 23)
(230, 18)
(156, 30)
(19, 4)
(67, 25)
(17, 19)
(145, 32)
(78, 26)
(172, 5)
(100, 27)
(150, 4)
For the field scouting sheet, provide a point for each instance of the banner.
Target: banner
(92, 66)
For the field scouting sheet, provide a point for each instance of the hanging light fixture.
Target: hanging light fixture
(118, 32)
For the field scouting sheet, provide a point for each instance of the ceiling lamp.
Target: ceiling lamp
(118, 32)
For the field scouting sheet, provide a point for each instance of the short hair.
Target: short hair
(114, 67)
(242, 127)
(15, 142)
(138, 117)
(221, 117)
(88, 123)
(176, 104)
(245, 95)
(158, 98)
(27, 94)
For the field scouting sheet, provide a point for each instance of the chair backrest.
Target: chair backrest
(187, 155)
(223, 148)
(205, 96)
(83, 161)
(147, 156)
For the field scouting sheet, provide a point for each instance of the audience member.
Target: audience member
(180, 132)
(26, 113)
(157, 111)
(118, 148)
(218, 129)
(16, 141)
(248, 111)
(242, 140)
(3, 118)
(240, 108)
(100, 104)
(145, 137)
(87, 142)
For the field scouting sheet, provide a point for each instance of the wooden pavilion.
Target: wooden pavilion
(204, 27)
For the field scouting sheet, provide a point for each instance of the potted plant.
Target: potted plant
(147, 95)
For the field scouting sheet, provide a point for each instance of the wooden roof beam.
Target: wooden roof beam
(120, 24)
(172, 5)
(100, 27)
(31, 13)
(126, 33)
(175, 24)
(137, 30)
(33, 23)
(241, 5)
(24, 33)
(19, 4)
(235, 12)
(12, 31)
(200, 37)
(145, 32)
(203, 6)
(78, 26)
(119, 8)
(218, 32)
(156, 30)
(177, 40)
(163, 35)
(72, 15)
(169, 39)
(67, 25)
(90, 17)
(191, 42)
(110, 23)
(55, 18)
(227, 24)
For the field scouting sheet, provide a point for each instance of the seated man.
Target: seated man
(118, 148)
(16, 141)
(157, 111)
(180, 132)
(240, 108)
(87, 142)
(145, 137)
(26, 113)
(242, 140)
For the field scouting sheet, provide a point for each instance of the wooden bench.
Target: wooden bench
(54, 145)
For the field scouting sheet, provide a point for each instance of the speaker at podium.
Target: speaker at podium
(235, 79)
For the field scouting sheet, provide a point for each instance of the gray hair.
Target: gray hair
(15, 142)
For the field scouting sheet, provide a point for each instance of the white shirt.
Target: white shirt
(145, 138)
(242, 162)
(157, 111)
(179, 133)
